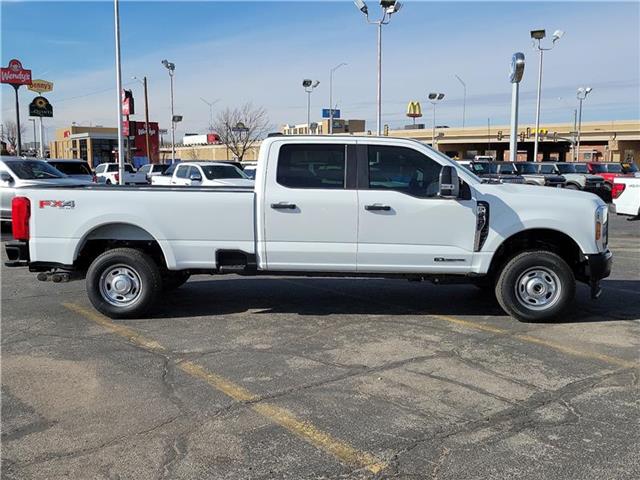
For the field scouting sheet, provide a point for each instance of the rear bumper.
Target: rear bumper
(17, 253)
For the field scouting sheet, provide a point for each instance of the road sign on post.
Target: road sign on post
(326, 113)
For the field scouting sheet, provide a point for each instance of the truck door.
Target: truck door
(181, 175)
(311, 207)
(403, 225)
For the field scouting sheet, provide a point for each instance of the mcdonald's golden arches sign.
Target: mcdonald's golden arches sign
(414, 110)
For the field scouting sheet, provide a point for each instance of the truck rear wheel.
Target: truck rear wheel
(123, 283)
(535, 286)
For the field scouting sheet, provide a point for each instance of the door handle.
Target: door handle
(377, 207)
(283, 206)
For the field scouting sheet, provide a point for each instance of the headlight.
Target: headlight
(602, 227)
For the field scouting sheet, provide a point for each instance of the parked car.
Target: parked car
(489, 171)
(576, 175)
(529, 171)
(626, 196)
(78, 169)
(165, 177)
(325, 205)
(108, 173)
(250, 170)
(608, 171)
(17, 173)
(203, 174)
(145, 172)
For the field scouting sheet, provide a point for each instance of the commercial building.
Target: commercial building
(97, 144)
(322, 127)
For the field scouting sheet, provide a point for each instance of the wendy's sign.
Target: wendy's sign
(15, 74)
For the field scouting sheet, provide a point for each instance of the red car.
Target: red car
(608, 171)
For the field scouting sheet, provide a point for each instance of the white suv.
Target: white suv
(108, 173)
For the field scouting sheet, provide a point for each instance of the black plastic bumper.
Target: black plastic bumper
(18, 254)
(598, 267)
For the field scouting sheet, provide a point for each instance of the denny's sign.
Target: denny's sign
(14, 74)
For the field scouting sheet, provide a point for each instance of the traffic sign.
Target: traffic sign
(326, 113)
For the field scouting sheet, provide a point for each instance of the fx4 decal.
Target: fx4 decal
(67, 204)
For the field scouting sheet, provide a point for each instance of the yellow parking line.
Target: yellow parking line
(280, 416)
(538, 341)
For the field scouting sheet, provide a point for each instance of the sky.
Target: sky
(234, 52)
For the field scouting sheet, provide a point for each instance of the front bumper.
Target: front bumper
(598, 267)
(17, 253)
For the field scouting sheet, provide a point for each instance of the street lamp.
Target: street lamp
(171, 67)
(389, 7)
(464, 99)
(121, 153)
(581, 95)
(434, 98)
(146, 116)
(211, 104)
(309, 86)
(536, 37)
(331, 95)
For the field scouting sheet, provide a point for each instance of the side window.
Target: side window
(183, 171)
(312, 166)
(100, 168)
(404, 170)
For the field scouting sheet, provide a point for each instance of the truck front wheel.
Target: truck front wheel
(123, 283)
(535, 286)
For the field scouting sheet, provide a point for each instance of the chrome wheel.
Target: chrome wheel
(120, 285)
(538, 288)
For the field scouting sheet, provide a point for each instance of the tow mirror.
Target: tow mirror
(449, 185)
(5, 177)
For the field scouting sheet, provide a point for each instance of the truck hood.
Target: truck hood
(543, 199)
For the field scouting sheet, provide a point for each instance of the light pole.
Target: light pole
(35, 142)
(331, 95)
(389, 7)
(537, 36)
(121, 152)
(464, 100)
(146, 116)
(517, 71)
(434, 98)
(581, 95)
(211, 104)
(171, 67)
(309, 86)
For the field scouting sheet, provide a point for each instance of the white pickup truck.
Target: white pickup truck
(203, 174)
(325, 206)
(626, 196)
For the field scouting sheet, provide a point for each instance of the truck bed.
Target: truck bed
(188, 223)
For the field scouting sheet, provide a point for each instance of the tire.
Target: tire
(108, 182)
(572, 186)
(139, 279)
(535, 286)
(172, 280)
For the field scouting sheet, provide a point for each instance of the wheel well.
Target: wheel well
(117, 235)
(538, 238)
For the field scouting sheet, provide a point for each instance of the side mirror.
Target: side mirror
(5, 177)
(195, 177)
(449, 185)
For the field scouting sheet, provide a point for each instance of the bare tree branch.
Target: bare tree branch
(240, 140)
(9, 134)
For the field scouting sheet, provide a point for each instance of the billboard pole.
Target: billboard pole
(119, 93)
(18, 133)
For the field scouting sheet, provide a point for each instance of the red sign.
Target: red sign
(15, 74)
(138, 140)
(127, 103)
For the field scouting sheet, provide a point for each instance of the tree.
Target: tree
(9, 134)
(241, 128)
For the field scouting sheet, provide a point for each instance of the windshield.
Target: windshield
(598, 168)
(508, 168)
(484, 168)
(72, 168)
(581, 168)
(213, 172)
(614, 168)
(527, 168)
(33, 170)
(567, 168)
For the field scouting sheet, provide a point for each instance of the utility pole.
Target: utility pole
(464, 100)
(121, 152)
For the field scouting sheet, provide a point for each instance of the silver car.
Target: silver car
(16, 173)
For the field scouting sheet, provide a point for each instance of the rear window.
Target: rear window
(212, 172)
(312, 166)
(508, 168)
(33, 170)
(484, 168)
(72, 168)
(568, 168)
(551, 169)
(526, 168)
(581, 168)
(614, 168)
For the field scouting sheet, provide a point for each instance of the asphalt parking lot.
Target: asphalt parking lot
(260, 378)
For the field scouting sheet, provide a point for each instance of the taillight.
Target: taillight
(20, 213)
(617, 189)
(117, 177)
